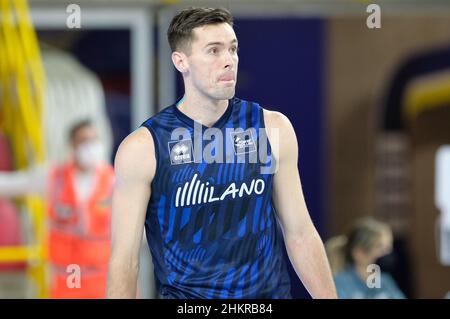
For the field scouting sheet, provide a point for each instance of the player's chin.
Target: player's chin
(225, 93)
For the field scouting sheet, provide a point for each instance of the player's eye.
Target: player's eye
(214, 50)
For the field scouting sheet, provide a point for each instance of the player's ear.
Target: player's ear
(180, 62)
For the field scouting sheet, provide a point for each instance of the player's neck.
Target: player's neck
(203, 110)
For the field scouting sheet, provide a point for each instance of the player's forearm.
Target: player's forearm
(309, 260)
(122, 281)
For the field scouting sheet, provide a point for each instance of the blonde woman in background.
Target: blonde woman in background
(350, 256)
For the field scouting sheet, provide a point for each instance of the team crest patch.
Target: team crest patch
(181, 152)
(243, 142)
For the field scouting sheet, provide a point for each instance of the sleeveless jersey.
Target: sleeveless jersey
(211, 224)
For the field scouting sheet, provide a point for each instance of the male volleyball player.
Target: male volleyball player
(212, 225)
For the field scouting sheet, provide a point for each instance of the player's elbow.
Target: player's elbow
(296, 238)
(293, 242)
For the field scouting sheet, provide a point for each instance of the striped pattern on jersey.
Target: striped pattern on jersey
(211, 227)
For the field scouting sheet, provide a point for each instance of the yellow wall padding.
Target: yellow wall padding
(425, 93)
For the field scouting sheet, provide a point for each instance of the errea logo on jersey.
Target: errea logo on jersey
(180, 152)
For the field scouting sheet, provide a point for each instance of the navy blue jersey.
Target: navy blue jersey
(210, 223)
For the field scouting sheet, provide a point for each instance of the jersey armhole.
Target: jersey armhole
(156, 147)
(269, 145)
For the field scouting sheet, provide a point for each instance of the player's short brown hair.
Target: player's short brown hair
(180, 33)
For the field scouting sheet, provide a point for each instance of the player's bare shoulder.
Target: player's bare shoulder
(281, 133)
(275, 119)
(136, 157)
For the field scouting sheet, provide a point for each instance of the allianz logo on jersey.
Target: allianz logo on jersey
(195, 192)
(181, 152)
(243, 142)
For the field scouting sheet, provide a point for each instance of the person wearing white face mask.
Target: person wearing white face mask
(79, 202)
(88, 156)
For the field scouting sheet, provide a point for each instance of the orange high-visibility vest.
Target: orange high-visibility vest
(79, 234)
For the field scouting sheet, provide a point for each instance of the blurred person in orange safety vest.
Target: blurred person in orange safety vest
(79, 196)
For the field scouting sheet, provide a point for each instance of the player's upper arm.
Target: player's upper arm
(287, 191)
(134, 167)
(282, 138)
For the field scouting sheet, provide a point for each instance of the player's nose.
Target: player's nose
(229, 60)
